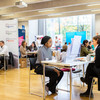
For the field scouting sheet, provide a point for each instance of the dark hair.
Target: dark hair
(45, 39)
(65, 42)
(2, 42)
(23, 43)
(84, 42)
(34, 44)
(90, 42)
(97, 38)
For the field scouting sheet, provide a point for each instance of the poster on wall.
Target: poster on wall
(9, 34)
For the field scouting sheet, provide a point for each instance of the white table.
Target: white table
(32, 52)
(68, 64)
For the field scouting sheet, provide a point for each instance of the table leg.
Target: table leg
(4, 63)
(43, 81)
(70, 83)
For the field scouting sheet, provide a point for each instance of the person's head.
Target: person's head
(33, 44)
(96, 40)
(65, 43)
(2, 43)
(85, 43)
(56, 37)
(47, 41)
(23, 43)
(37, 38)
(69, 43)
(90, 43)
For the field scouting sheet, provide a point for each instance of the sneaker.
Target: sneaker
(46, 90)
(86, 95)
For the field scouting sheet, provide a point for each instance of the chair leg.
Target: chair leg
(29, 82)
(67, 78)
(91, 90)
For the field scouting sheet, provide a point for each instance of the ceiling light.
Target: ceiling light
(8, 15)
(94, 4)
(45, 10)
(95, 10)
(21, 4)
(55, 14)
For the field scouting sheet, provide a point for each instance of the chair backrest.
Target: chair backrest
(32, 62)
(11, 58)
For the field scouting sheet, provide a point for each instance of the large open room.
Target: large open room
(49, 49)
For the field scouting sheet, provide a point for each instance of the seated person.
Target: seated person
(90, 46)
(64, 48)
(32, 47)
(3, 51)
(23, 49)
(84, 49)
(92, 68)
(53, 73)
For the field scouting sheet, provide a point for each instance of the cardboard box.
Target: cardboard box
(23, 62)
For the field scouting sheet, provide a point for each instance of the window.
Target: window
(80, 23)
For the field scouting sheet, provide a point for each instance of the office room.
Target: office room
(49, 49)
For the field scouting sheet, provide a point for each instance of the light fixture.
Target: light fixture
(46, 10)
(95, 10)
(55, 14)
(21, 4)
(8, 15)
(94, 4)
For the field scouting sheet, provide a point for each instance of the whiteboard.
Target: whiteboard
(76, 43)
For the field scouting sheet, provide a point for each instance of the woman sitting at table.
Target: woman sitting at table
(23, 51)
(84, 48)
(32, 47)
(53, 73)
(93, 68)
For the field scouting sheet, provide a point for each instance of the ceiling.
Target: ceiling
(39, 9)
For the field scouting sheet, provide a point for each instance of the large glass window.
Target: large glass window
(80, 23)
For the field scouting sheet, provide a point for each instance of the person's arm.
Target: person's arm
(97, 58)
(40, 56)
(3, 51)
(86, 51)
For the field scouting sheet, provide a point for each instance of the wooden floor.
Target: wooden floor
(14, 85)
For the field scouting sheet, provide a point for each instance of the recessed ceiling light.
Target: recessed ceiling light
(95, 10)
(8, 15)
(55, 14)
(45, 10)
(94, 4)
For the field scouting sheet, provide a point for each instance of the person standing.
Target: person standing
(57, 43)
(64, 48)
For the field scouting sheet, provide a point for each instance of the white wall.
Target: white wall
(33, 30)
(97, 23)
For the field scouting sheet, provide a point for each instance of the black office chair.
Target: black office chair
(32, 62)
(11, 59)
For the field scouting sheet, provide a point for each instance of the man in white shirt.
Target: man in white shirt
(3, 51)
(57, 43)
